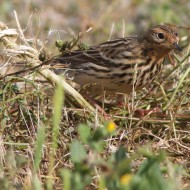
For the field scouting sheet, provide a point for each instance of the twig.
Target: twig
(178, 143)
(19, 28)
(177, 88)
(30, 56)
(24, 70)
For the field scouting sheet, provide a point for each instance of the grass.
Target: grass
(50, 140)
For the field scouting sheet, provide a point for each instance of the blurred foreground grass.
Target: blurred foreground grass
(47, 144)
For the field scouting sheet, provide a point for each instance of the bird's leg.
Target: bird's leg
(94, 103)
(121, 102)
(142, 112)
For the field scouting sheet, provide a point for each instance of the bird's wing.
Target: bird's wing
(76, 58)
(111, 53)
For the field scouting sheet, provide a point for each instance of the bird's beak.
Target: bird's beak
(177, 46)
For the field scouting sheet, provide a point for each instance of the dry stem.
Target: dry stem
(30, 56)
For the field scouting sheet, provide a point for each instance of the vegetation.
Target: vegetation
(52, 138)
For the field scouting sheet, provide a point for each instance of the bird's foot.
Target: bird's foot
(142, 112)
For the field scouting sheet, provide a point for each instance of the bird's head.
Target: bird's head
(163, 37)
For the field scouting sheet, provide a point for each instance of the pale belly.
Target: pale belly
(116, 81)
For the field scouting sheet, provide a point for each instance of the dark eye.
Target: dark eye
(176, 34)
(161, 36)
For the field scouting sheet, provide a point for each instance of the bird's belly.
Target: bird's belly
(115, 82)
(99, 85)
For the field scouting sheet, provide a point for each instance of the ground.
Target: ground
(49, 142)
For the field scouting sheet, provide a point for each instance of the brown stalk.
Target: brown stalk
(29, 55)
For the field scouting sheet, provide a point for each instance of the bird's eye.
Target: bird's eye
(161, 36)
(176, 34)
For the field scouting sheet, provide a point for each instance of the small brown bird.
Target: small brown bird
(120, 65)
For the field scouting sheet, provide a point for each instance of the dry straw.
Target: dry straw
(29, 55)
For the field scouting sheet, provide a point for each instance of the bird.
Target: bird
(121, 65)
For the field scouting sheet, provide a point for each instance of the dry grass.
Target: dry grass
(37, 128)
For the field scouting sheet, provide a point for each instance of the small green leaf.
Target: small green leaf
(84, 132)
(36, 183)
(78, 153)
(97, 146)
(150, 175)
(66, 175)
(120, 155)
(58, 100)
(39, 147)
(99, 134)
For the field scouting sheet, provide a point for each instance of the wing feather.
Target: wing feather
(111, 53)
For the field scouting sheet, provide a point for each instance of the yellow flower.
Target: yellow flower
(111, 127)
(125, 179)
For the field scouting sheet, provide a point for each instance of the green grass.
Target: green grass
(47, 143)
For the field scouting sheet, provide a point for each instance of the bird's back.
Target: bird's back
(108, 66)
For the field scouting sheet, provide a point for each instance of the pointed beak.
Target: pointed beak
(177, 46)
